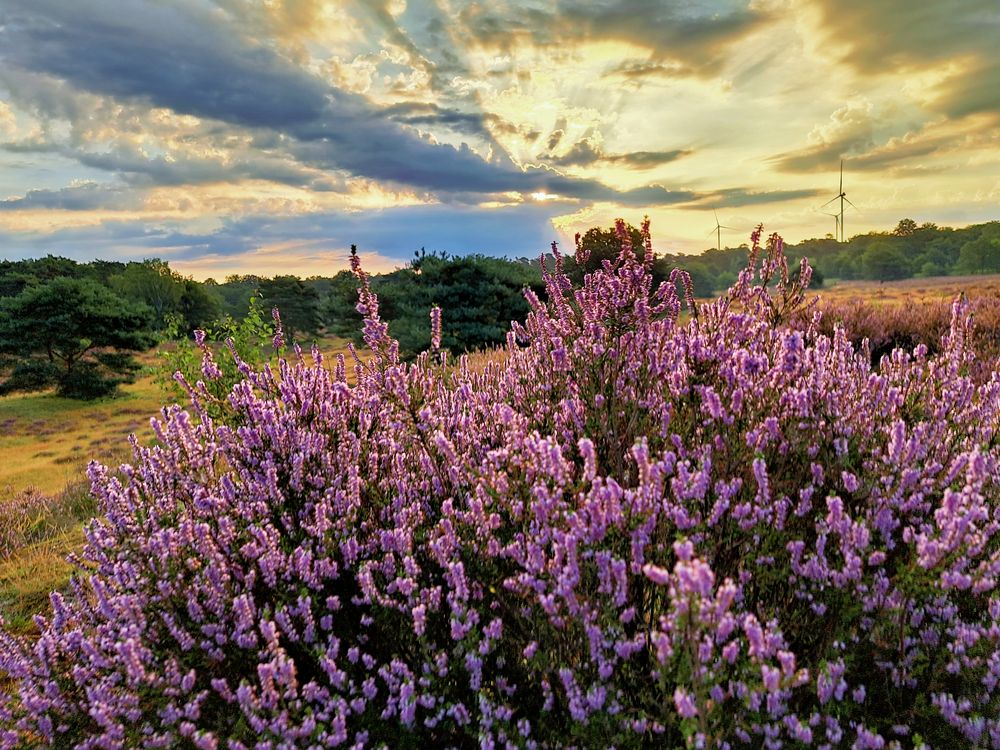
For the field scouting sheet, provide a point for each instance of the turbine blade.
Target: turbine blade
(830, 201)
(841, 175)
(849, 201)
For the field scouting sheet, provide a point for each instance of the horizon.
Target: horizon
(229, 137)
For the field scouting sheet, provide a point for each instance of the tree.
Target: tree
(479, 296)
(73, 334)
(297, 303)
(905, 228)
(153, 282)
(884, 262)
(601, 245)
(981, 255)
(199, 304)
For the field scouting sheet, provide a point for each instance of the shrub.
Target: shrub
(251, 342)
(629, 532)
(882, 328)
(30, 375)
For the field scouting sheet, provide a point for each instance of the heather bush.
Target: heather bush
(629, 532)
(883, 328)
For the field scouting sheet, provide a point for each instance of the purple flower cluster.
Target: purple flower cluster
(625, 531)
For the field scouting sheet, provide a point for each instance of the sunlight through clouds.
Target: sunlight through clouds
(202, 114)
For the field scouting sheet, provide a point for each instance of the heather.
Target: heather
(633, 529)
(883, 328)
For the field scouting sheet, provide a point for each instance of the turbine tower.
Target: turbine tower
(836, 224)
(718, 230)
(842, 197)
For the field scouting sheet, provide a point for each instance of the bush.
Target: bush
(629, 532)
(880, 329)
(190, 362)
(31, 375)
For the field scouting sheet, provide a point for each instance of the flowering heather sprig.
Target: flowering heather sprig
(435, 329)
(376, 331)
(627, 531)
(278, 341)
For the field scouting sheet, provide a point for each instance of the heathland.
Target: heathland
(646, 515)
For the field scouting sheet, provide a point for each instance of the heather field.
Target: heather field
(909, 291)
(647, 521)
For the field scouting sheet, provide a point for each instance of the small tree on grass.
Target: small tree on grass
(73, 334)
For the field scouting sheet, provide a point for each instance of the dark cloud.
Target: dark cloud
(193, 62)
(591, 190)
(637, 71)
(469, 123)
(819, 158)
(735, 197)
(877, 37)
(678, 34)
(585, 153)
(975, 91)
(177, 57)
(86, 197)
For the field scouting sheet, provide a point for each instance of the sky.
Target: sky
(267, 136)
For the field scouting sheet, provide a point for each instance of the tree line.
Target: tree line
(74, 326)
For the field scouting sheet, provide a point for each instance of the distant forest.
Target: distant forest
(480, 295)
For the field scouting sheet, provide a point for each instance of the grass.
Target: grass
(913, 291)
(27, 578)
(46, 441)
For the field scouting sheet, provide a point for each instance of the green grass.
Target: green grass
(46, 441)
(27, 578)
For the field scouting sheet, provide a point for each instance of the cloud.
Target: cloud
(850, 130)
(957, 38)
(191, 62)
(679, 36)
(86, 197)
(393, 233)
(734, 197)
(8, 123)
(184, 61)
(584, 154)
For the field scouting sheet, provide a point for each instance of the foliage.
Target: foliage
(981, 255)
(884, 262)
(154, 283)
(251, 341)
(299, 304)
(60, 332)
(484, 294)
(629, 532)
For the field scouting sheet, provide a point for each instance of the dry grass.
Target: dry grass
(27, 578)
(932, 289)
(46, 441)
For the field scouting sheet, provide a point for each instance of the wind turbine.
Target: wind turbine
(836, 223)
(718, 230)
(842, 197)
